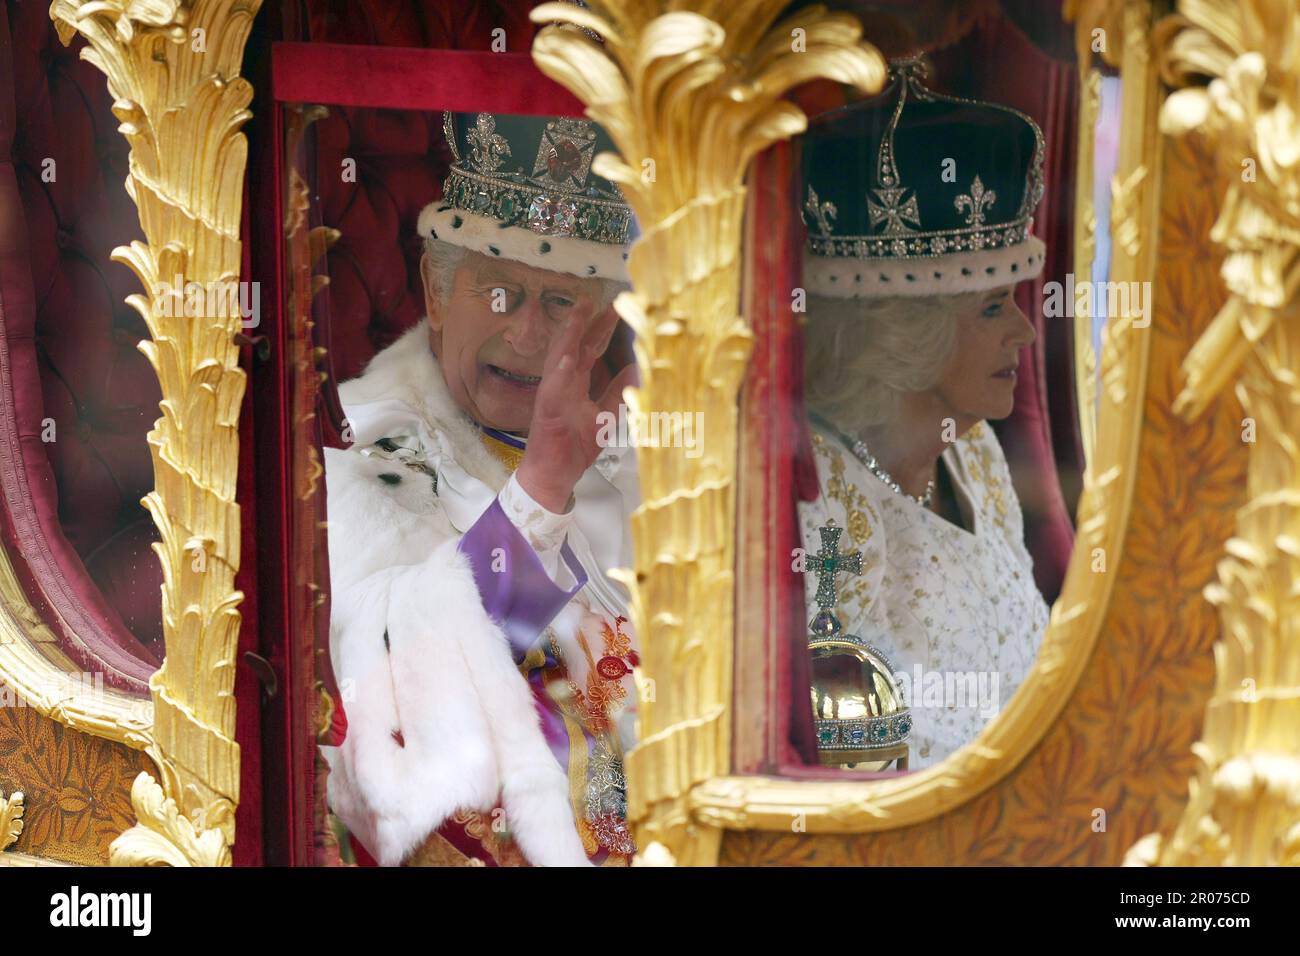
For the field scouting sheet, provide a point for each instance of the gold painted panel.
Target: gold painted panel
(76, 787)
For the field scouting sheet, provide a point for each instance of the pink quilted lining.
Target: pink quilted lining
(69, 369)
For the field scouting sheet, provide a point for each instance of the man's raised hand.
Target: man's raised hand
(562, 437)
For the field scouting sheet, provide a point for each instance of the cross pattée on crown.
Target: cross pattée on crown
(894, 211)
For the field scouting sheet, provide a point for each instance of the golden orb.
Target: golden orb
(861, 719)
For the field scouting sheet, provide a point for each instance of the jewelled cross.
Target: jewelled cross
(827, 563)
(893, 210)
(564, 153)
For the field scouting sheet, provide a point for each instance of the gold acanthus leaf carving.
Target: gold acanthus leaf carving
(1243, 804)
(164, 836)
(11, 819)
(1250, 111)
(1098, 26)
(688, 97)
(172, 68)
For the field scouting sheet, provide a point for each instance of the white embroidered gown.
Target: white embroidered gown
(957, 613)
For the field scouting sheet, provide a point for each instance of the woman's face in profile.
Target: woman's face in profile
(980, 380)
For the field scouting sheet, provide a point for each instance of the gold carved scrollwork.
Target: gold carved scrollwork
(1244, 803)
(173, 71)
(689, 96)
(11, 819)
(1098, 25)
(164, 836)
(33, 669)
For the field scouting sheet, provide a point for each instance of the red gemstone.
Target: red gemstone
(612, 668)
(564, 161)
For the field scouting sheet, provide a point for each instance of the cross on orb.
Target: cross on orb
(828, 563)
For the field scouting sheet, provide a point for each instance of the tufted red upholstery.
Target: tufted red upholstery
(401, 160)
(374, 292)
(73, 507)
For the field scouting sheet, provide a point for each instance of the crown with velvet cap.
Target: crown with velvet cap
(521, 188)
(915, 193)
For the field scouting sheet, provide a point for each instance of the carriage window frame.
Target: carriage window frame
(303, 74)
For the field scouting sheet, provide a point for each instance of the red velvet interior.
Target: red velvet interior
(998, 62)
(72, 372)
(375, 295)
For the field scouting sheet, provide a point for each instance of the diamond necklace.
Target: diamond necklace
(863, 454)
(859, 449)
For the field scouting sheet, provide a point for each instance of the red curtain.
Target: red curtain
(998, 62)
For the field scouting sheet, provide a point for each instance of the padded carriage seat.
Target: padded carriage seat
(76, 396)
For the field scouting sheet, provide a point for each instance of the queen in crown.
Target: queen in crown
(919, 210)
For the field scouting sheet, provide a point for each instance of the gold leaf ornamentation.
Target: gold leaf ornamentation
(1095, 746)
(181, 104)
(11, 819)
(689, 96)
(1243, 805)
(164, 836)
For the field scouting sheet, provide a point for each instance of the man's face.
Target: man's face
(492, 336)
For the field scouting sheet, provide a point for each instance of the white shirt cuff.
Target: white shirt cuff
(545, 531)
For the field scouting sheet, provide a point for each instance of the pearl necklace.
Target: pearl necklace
(860, 452)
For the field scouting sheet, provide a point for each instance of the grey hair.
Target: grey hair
(863, 355)
(445, 258)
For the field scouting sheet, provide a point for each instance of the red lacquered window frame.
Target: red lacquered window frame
(772, 729)
(343, 75)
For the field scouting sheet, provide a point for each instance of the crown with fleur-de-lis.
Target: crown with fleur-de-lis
(522, 188)
(919, 193)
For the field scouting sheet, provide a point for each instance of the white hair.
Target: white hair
(445, 258)
(863, 355)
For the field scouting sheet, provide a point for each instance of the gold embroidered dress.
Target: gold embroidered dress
(956, 611)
